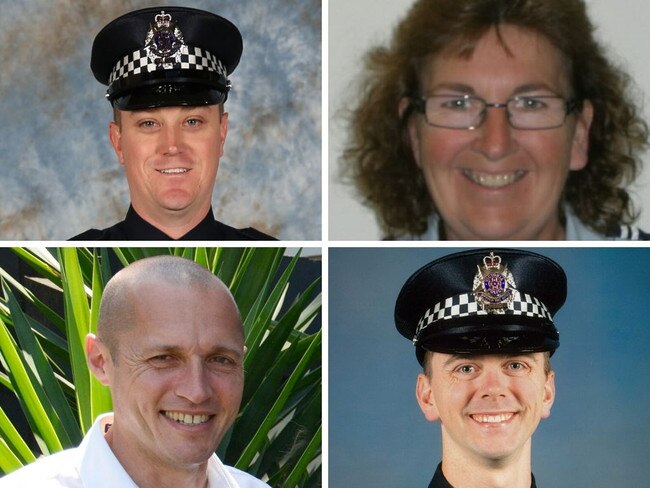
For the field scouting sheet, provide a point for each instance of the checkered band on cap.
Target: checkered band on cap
(465, 305)
(188, 58)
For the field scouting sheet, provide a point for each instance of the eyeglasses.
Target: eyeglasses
(468, 112)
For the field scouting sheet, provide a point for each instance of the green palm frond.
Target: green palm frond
(277, 435)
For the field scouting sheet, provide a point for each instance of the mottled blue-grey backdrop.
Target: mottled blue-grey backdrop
(59, 173)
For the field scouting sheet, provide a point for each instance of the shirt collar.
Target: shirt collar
(574, 228)
(138, 229)
(100, 468)
(439, 480)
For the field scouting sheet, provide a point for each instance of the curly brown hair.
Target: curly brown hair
(378, 156)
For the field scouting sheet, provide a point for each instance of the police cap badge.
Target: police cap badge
(166, 56)
(482, 301)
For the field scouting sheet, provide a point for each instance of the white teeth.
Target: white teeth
(173, 171)
(494, 180)
(492, 419)
(183, 418)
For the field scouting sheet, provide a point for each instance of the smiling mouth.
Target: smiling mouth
(187, 419)
(173, 171)
(492, 419)
(498, 180)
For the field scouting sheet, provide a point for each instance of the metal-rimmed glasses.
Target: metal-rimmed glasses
(527, 112)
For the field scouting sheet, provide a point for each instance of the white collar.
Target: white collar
(575, 229)
(99, 468)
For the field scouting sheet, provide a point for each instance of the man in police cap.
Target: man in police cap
(482, 326)
(167, 73)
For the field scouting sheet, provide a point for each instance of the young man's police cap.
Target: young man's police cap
(166, 56)
(482, 302)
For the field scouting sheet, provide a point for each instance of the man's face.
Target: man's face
(497, 182)
(171, 156)
(488, 406)
(177, 375)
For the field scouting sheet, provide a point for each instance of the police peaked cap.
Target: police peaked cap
(482, 302)
(166, 56)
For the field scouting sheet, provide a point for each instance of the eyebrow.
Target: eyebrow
(468, 90)
(457, 87)
(463, 357)
(188, 108)
(170, 349)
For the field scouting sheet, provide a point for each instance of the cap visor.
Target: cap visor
(169, 95)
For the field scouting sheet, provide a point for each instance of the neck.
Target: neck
(551, 231)
(471, 471)
(151, 473)
(174, 223)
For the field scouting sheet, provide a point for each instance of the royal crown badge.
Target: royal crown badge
(494, 286)
(164, 41)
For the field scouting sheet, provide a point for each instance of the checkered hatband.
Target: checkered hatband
(465, 305)
(187, 58)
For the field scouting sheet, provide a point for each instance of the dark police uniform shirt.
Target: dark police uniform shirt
(135, 228)
(439, 480)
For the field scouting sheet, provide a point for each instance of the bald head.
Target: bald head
(125, 291)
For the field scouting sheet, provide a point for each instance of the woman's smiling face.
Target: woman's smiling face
(498, 182)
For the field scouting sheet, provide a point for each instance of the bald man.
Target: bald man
(170, 346)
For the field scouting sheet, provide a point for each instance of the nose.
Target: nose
(193, 385)
(494, 384)
(494, 137)
(170, 141)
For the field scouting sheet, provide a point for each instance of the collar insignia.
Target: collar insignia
(164, 41)
(494, 286)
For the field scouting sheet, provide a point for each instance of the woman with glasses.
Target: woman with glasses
(496, 119)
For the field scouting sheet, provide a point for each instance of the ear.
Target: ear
(424, 395)
(223, 130)
(580, 147)
(549, 395)
(115, 136)
(99, 359)
(413, 134)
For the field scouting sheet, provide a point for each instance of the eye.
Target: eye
(461, 103)
(466, 369)
(221, 359)
(147, 124)
(528, 103)
(162, 360)
(517, 366)
(194, 122)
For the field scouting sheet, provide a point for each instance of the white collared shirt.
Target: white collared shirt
(93, 465)
(574, 228)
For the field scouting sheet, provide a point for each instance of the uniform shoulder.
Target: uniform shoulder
(113, 233)
(255, 235)
(248, 234)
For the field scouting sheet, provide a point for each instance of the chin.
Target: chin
(491, 232)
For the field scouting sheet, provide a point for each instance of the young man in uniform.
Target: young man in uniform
(167, 73)
(482, 326)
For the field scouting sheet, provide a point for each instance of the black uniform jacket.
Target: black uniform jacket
(439, 480)
(135, 228)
